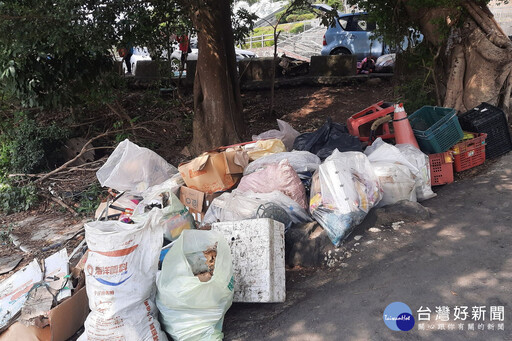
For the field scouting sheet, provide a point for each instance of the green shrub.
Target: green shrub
(16, 198)
(90, 199)
(5, 233)
(297, 28)
(26, 147)
(306, 16)
(416, 86)
(292, 18)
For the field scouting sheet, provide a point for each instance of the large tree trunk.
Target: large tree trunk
(218, 118)
(476, 58)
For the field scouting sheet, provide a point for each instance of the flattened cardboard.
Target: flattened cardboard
(20, 332)
(65, 320)
(14, 290)
(208, 173)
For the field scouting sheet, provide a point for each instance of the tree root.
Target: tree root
(455, 84)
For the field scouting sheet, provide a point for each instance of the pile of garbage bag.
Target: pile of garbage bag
(158, 215)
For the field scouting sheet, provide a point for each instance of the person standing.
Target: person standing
(184, 47)
(127, 58)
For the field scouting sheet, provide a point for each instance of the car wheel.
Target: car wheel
(340, 51)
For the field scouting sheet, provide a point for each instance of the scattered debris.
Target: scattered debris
(374, 229)
(396, 225)
(9, 263)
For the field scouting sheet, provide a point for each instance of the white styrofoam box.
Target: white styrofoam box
(257, 247)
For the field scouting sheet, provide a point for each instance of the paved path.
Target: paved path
(461, 257)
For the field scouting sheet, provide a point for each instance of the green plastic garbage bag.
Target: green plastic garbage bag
(191, 309)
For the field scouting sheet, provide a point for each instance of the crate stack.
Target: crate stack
(437, 129)
(440, 134)
(492, 121)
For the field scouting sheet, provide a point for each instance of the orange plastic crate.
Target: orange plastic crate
(469, 153)
(441, 168)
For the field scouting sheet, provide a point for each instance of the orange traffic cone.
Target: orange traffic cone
(402, 127)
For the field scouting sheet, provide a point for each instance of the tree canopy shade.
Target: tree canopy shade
(53, 51)
(472, 55)
(56, 52)
(59, 52)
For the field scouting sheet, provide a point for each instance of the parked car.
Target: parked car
(176, 54)
(139, 53)
(352, 34)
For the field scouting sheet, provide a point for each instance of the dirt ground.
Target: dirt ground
(307, 108)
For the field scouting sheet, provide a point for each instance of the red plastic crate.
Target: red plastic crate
(359, 124)
(441, 168)
(469, 153)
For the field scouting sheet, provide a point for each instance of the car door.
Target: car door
(362, 42)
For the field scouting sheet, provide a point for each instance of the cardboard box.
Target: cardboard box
(236, 161)
(65, 320)
(196, 201)
(214, 171)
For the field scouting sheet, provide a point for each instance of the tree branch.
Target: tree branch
(82, 152)
(61, 203)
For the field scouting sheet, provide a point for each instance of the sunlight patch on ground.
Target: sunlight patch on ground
(453, 232)
(300, 329)
(480, 278)
(318, 100)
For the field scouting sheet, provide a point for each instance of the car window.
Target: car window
(362, 24)
(343, 23)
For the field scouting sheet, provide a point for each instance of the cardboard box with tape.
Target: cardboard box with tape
(214, 171)
(196, 201)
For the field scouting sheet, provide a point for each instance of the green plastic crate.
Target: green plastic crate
(436, 129)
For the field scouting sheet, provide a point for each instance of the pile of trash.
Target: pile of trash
(171, 248)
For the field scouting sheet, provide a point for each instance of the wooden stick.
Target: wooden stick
(61, 203)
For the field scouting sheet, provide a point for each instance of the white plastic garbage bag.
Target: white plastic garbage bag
(408, 156)
(120, 279)
(397, 182)
(286, 133)
(301, 161)
(171, 185)
(344, 189)
(422, 170)
(133, 168)
(173, 217)
(239, 205)
(191, 309)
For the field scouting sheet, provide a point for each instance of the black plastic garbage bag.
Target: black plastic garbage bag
(328, 137)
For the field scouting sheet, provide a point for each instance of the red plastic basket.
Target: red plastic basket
(469, 153)
(441, 168)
